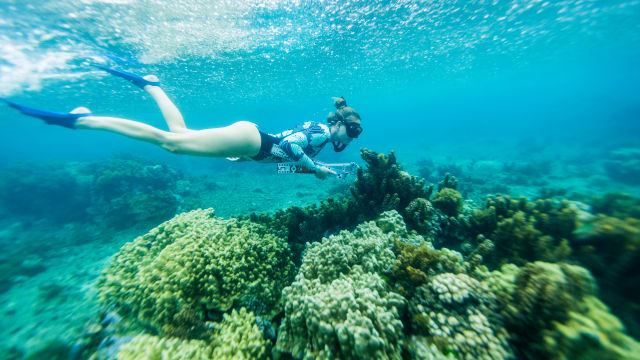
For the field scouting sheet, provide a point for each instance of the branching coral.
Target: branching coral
(610, 247)
(420, 215)
(382, 186)
(525, 231)
(185, 270)
(449, 182)
(415, 263)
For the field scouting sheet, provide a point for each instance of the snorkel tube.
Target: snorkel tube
(338, 146)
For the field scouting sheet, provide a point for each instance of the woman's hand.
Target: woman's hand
(322, 172)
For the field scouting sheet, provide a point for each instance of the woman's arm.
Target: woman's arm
(293, 144)
(296, 153)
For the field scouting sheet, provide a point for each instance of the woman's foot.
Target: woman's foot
(151, 78)
(80, 110)
(67, 120)
(137, 80)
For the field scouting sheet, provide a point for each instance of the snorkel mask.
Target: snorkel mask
(349, 117)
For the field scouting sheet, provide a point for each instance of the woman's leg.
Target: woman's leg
(238, 139)
(170, 112)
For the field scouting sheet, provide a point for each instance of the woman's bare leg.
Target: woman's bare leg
(170, 112)
(241, 138)
(238, 139)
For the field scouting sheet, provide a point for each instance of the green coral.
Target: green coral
(610, 248)
(382, 186)
(353, 316)
(449, 201)
(546, 292)
(340, 307)
(419, 348)
(457, 313)
(149, 347)
(420, 214)
(591, 333)
(415, 263)
(367, 246)
(524, 231)
(193, 266)
(551, 312)
(618, 205)
(239, 337)
(449, 182)
(127, 191)
(385, 186)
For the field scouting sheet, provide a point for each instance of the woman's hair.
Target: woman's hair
(343, 113)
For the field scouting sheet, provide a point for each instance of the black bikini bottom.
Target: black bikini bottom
(266, 143)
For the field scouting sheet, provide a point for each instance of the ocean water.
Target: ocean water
(519, 97)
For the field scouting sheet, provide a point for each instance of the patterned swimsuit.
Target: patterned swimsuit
(299, 144)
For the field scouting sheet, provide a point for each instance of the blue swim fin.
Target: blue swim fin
(67, 120)
(135, 79)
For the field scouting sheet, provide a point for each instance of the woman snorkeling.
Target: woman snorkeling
(237, 142)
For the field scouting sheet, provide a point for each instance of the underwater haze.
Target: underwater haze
(496, 216)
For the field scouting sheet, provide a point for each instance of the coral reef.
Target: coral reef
(416, 263)
(610, 248)
(116, 193)
(549, 309)
(42, 191)
(239, 337)
(448, 182)
(353, 316)
(420, 215)
(524, 231)
(618, 205)
(153, 347)
(448, 308)
(193, 267)
(591, 333)
(127, 191)
(458, 315)
(448, 200)
(339, 306)
(419, 348)
(383, 186)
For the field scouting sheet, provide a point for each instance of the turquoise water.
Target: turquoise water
(469, 87)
